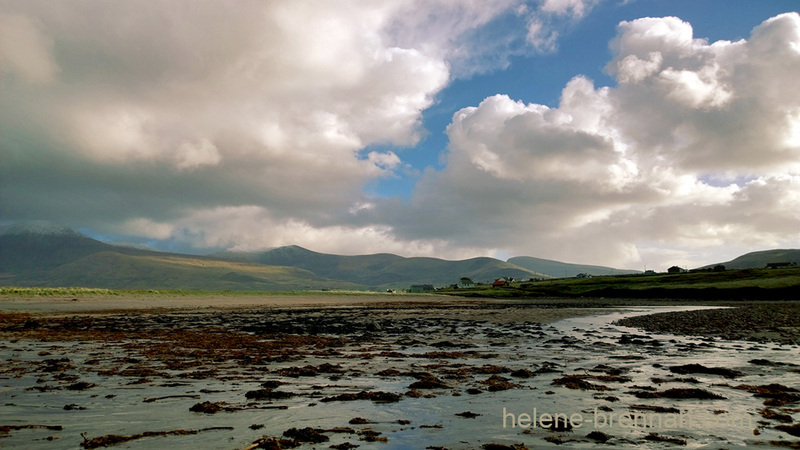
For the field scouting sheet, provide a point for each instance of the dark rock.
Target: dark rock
(699, 368)
(306, 434)
(268, 394)
(598, 436)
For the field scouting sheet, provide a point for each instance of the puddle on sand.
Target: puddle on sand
(467, 373)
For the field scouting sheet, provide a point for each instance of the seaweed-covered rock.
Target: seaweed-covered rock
(681, 393)
(268, 394)
(699, 368)
(306, 434)
(375, 396)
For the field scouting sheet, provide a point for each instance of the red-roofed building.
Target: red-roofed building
(501, 282)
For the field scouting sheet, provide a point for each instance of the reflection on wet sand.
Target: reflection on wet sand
(472, 375)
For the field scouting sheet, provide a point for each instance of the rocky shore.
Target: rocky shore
(432, 373)
(762, 322)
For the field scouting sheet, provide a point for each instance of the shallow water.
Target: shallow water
(472, 351)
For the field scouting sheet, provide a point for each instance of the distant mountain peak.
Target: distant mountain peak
(288, 249)
(39, 227)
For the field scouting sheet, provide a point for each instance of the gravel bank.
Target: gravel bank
(776, 322)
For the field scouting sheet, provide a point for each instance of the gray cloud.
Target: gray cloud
(173, 120)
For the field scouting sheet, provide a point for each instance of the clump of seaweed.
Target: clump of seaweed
(655, 408)
(699, 368)
(375, 396)
(579, 382)
(493, 446)
(268, 394)
(428, 381)
(114, 439)
(497, 383)
(776, 394)
(681, 393)
(771, 414)
(372, 436)
(598, 436)
(794, 430)
(271, 443)
(306, 434)
(6, 429)
(658, 438)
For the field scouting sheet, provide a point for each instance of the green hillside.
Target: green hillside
(51, 256)
(724, 285)
(557, 269)
(386, 270)
(48, 255)
(121, 271)
(759, 260)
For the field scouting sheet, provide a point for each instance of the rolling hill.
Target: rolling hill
(40, 254)
(385, 270)
(759, 260)
(47, 255)
(558, 269)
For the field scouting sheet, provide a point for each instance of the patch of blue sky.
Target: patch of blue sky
(535, 77)
(722, 180)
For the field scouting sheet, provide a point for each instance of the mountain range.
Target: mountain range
(49, 255)
(386, 270)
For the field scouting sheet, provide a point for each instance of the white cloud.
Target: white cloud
(152, 114)
(211, 126)
(614, 174)
(206, 106)
(384, 160)
(253, 228)
(696, 89)
(632, 69)
(542, 37)
(576, 8)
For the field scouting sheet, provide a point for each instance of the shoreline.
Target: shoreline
(396, 306)
(255, 372)
(776, 321)
(762, 322)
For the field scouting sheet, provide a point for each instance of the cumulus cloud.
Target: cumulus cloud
(576, 8)
(124, 116)
(209, 127)
(123, 113)
(618, 174)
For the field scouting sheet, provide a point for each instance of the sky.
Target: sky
(632, 134)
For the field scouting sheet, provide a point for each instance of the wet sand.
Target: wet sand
(375, 371)
(540, 310)
(763, 321)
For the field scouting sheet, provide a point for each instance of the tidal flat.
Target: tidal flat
(395, 372)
